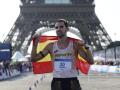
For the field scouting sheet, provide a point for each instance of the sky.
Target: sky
(106, 10)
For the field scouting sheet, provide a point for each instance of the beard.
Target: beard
(60, 34)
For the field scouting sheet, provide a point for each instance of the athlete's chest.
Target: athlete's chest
(63, 51)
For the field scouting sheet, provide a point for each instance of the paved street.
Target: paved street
(91, 82)
(42, 82)
(22, 82)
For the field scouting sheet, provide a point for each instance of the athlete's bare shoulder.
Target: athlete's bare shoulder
(79, 42)
(50, 46)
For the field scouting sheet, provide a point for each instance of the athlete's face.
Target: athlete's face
(61, 29)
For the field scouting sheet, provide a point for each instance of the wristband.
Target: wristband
(86, 47)
(42, 54)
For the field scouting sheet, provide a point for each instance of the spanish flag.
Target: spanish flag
(45, 65)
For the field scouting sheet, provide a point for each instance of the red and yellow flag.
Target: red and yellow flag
(45, 65)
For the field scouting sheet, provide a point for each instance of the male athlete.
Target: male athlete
(64, 53)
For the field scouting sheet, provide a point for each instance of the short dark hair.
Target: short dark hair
(64, 21)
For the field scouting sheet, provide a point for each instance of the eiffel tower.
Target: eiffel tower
(35, 14)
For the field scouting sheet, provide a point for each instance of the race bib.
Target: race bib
(62, 64)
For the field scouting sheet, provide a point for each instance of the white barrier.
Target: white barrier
(105, 68)
(12, 74)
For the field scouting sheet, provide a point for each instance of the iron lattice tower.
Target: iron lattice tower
(38, 13)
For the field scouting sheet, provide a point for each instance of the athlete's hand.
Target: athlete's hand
(81, 42)
(36, 38)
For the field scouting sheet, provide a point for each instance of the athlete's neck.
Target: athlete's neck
(63, 39)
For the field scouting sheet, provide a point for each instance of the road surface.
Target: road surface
(29, 81)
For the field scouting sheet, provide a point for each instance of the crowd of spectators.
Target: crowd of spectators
(8, 68)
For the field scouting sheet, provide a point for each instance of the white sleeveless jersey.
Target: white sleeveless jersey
(64, 61)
